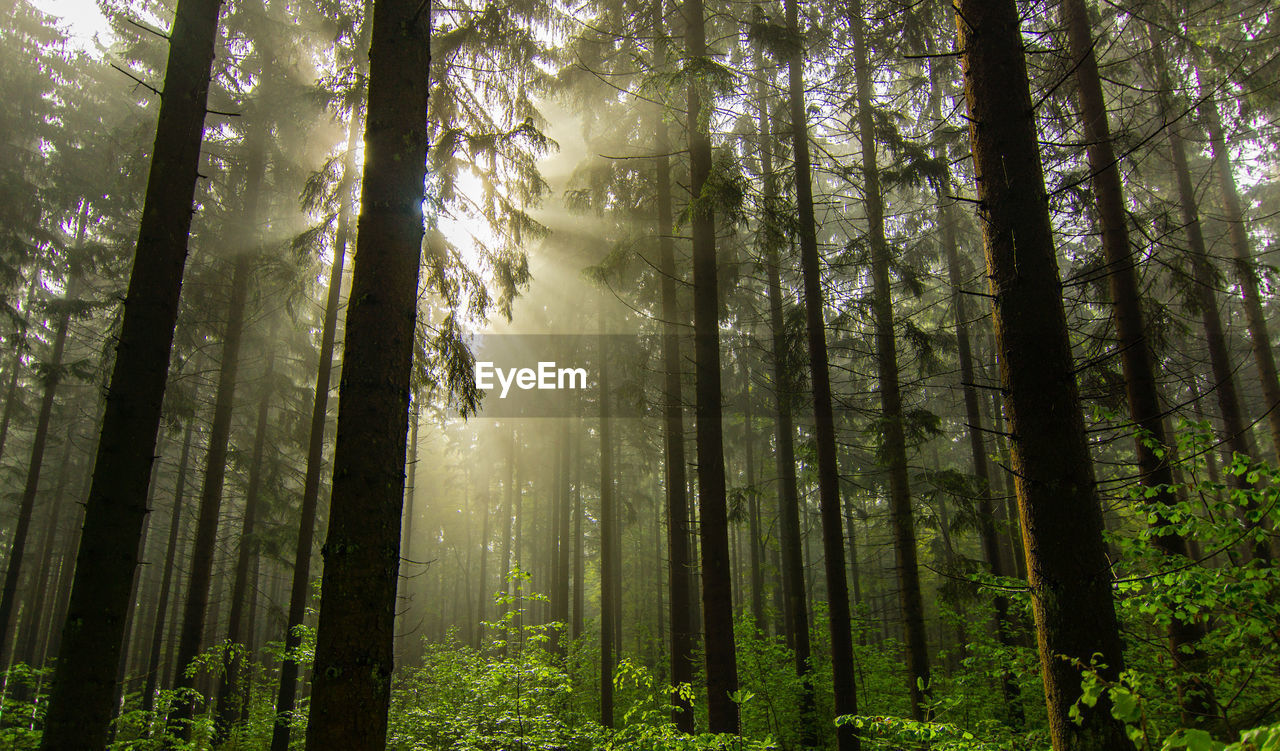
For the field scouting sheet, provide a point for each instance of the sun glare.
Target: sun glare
(82, 19)
(469, 234)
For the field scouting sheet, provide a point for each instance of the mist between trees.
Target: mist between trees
(909, 375)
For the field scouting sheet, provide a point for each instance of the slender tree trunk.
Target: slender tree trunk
(300, 582)
(83, 686)
(1236, 434)
(32, 625)
(166, 583)
(229, 710)
(855, 575)
(717, 593)
(66, 570)
(894, 439)
(403, 586)
(578, 589)
(11, 394)
(753, 513)
(683, 659)
(795, 611)
(1068, 572)
(35, 464)
(991, 547)
(469, 625)
(26, 506)
(195, 610)
(561, 587)
(508, 509)
(1135, 353)
(1246, 272)
(519, 587)
(608, 520)
(351, 687)
(483, 589)
(1017, 560)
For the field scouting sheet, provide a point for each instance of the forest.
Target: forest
(640, 375)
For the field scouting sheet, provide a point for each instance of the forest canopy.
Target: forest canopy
(639, 375)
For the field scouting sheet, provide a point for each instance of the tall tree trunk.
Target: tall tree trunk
(508, 509)
(229, 709)
(83, 685)
(795, 612)
(484, 593)
(470, 625)
(717, 594)
(683, 659)
(35, 464)
(1068, 571)
(11, 393)
(991, 547)
(351, 687)
(403, 586)
(855, 574)
(1236, 434)
(166, 583)
(18, 344)
(66, 570)
(1246, 273)
(300, 582)
(1135, 353)
(579, 592)
(203, 552)
(562, 506)
(894, 438)
(26, 506)
(32, 625)
(122, 670)
(608, 520)
(753, 512)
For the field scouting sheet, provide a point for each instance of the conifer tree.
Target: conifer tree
(80, 705)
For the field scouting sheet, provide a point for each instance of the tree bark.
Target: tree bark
(1135, 353)
(753, 511)
(991, 547)
(79, 708)
(26, 506)
(894, 446)
(579, 592)
(351, 687)
(122, 670)
(11, 395)
(795, 612)
(683, 659)
(300, 582)
(717, 587)
(231, 711)
(508, 509)
(608, 538)
(32, 625)
(404, 592)
(1068, 571)
(166, 583)
(483, 590)
(1246, 273)
(560, 612)
(1235, 433)
(210, 508)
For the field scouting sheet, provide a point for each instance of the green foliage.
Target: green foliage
(900, 733)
